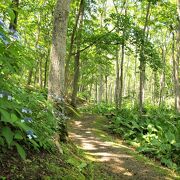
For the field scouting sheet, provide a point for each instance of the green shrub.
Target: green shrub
(157, 133)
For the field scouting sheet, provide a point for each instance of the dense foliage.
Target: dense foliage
(155, 134)
(121, 57)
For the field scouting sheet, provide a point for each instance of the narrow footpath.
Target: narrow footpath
(114, 160)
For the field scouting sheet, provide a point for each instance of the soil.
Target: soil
(113, 158)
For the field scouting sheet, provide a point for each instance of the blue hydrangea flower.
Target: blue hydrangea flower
(4, 39)
(10, 98)
(15, 35)
(6, 94)
(2, 23)
(30, 134)
(27, 119)
(27, 111)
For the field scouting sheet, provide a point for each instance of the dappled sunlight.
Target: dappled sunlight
(103, 149)
(78, 123)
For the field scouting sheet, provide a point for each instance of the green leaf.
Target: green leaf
(13, 117)
(18, 135)
(6, 117)
(21, 151)
(82, 165)
(170, 137)
(8, 134)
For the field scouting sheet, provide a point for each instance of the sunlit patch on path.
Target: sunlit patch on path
(114, 158)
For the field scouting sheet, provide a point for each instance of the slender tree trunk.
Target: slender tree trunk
(143, 63)
(117, 79)
(163, 78)
(125, 76)
(77, 61)
(134, 85)
(106, 82)
(72, 44)
(177, 64)
(36, 45)
(76, 78)
(121, 75)
(100, 89)
(46, 69)
(96, 92)
(40, 73)
(58, 50)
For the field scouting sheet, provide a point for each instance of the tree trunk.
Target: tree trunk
(143, 63)
(72, 44)
(163, 77)
(46, 69)
(58, 50)
(106, 82)
(121, 75)
(177, 64)
(117, 79)
(76, 78)
(77, 60)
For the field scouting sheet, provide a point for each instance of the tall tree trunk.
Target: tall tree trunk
(40, 74)
(143, 63)
(58, 50)
(163, 77)
(121, 74)
(77, 60)
(96, 92)
(13, 22)
(100, 89)
(72, 44)
(117, 79)
(177, 64)
(134, 80)
(106, 82)
(46, 69)
(76, 78)
(36, 45)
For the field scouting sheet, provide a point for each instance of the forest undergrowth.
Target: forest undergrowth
(155, 134)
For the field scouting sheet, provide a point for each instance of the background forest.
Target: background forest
(109, 57)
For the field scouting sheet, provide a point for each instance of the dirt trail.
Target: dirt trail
(113, 159)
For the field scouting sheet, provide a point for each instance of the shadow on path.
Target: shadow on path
(114, 160)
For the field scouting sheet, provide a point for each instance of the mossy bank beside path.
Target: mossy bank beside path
(112, 158)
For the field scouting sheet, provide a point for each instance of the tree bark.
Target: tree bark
(77, 59)
(121, 74)
(177, 64)
(143, 63)
(76, 78)
(58, 50)
(117, 79)
(72, 44)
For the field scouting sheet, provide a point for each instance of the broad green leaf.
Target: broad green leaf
(170, 137)
(18, 135)
(8, 134)
(21, 151)
(6, 117)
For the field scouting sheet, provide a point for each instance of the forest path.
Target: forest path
(113, 159)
